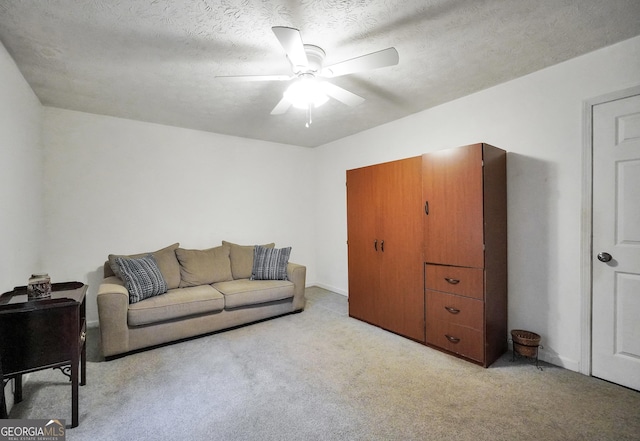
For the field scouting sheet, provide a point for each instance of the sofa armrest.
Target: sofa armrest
(297, 274)
(113, 304)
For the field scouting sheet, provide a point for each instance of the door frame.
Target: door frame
(586, 242)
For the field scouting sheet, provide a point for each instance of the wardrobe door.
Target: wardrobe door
(384, 228)
(401, 295)
(363, 256)
(453, 217)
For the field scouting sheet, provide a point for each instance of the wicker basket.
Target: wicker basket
(525, 342)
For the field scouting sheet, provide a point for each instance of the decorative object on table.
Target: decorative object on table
(526, 344)
(39, 287)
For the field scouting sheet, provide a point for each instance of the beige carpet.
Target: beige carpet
(321, 375)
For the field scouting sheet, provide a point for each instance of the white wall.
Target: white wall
(538, 120)
(20, 179)
(114, 185)
(20, 176)
(120, 186)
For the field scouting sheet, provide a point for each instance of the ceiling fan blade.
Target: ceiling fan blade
(374, 60)
(342, 95)
(238, 78)
(291, 42)
(281, 107)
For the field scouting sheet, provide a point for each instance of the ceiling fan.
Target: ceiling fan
(306, 60)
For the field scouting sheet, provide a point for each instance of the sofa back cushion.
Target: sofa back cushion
(242, 258)
(165, 258)
(204, 267)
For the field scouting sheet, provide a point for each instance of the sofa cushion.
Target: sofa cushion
(245, 292)
(242, 258)
(141, 276)
(204, 267)
(176, 303)
(270, 263)
(166, 260)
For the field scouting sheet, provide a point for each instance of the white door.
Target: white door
(616, 242)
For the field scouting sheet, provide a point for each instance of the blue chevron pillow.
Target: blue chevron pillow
(141, 276)
(270, 263)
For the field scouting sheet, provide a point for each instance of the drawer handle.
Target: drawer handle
(452, 281)
(452, 310)
(452, 339)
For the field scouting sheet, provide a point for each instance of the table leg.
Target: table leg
(17, 396)
(3, 407)
(83, 364)
(74, 391)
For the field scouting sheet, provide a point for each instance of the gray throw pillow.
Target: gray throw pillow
(141, 276)
(166, 260)
(270, 263)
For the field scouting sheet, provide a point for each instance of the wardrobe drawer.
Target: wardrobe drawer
(456, 280)
(457, 339)
(454, 309)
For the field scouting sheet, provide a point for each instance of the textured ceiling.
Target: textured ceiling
(155, 60)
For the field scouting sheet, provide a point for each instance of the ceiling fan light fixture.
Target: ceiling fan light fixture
(306, 92)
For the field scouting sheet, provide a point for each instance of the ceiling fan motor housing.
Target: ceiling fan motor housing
(315, 57)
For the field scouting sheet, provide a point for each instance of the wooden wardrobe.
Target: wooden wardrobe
(428, 251)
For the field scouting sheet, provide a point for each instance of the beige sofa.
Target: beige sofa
(207, 290)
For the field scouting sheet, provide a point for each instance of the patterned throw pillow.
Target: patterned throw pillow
(141, 276)
(270, 263)
(166, 260)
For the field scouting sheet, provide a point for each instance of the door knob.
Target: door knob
(604, 257)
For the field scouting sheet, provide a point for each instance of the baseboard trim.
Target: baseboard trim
(557, 360)
(332, 289)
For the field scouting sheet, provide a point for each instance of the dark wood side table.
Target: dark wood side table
(42, 334)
